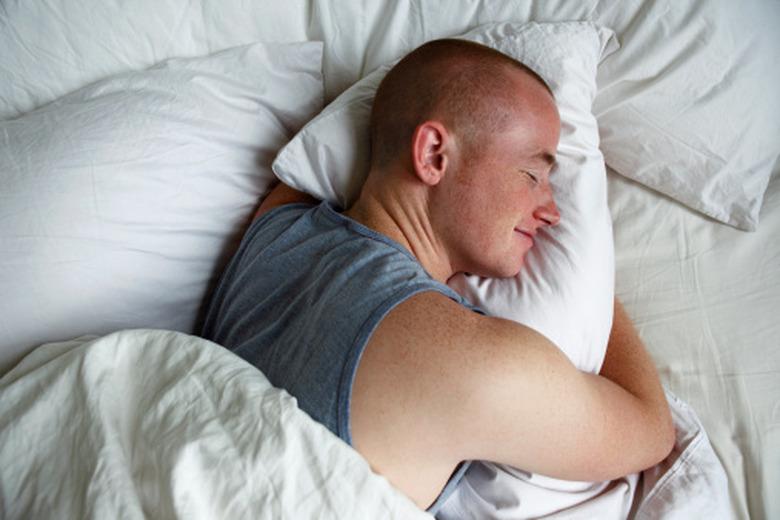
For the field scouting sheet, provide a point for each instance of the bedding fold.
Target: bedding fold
(150, 423)
(689, 483)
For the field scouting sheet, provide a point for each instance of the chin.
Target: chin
(515, 271)
(517, 268)
(506, 271)
(501, 268)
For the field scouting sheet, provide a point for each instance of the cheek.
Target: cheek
(524, 201)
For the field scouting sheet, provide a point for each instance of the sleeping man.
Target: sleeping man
(349, 311)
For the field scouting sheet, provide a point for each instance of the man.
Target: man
(350, 313)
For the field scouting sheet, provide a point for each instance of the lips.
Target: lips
(527, 234)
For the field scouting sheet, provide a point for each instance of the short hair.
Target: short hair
(461, 83)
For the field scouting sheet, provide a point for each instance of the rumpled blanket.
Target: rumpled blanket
(159, 424)
(151, 423)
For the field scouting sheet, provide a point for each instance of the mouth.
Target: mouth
(526, 235)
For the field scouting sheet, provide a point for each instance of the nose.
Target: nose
(547, 210)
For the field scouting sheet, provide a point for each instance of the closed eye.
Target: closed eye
(532, 176)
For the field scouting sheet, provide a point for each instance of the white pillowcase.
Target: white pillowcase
(566, 289)
(121, 202)
(696, 117)
(688, 106)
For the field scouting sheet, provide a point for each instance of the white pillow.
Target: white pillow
(696, 117)
(688, 106)
(566, 289)
(121, 202)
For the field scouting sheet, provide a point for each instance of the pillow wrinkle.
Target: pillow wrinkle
(127, 192)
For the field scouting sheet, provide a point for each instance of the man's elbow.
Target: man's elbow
(670, 437)
(665, 437)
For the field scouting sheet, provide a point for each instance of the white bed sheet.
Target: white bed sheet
(704, 296)
(689, 483)
(705, 299)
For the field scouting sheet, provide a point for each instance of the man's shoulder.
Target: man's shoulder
(406, 390)
(281, 195)
(436, 313)
(444, 340)
(461, 351)
(430, 384)
(282, 214)
(444, 319)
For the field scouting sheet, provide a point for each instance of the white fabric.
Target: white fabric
(149, 423)
(698, 118)
(689, 483)
(130, 192)
(688, 106)
(704, 296)
(569, 272)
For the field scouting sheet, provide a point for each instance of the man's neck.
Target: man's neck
(403, 219)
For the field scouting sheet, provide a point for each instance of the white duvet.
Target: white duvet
(151, 423)
(158, 424)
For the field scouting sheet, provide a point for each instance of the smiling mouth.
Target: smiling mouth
(529, 236)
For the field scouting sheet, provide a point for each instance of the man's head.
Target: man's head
(464, 85)
(479, 131)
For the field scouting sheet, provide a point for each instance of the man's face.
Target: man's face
(500, 196)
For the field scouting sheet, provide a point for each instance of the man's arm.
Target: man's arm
(568, 424)
(438, 384)
(282, 194)
(628, 365)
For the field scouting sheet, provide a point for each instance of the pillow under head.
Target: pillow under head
(565, 290)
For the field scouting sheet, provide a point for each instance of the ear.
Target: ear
(431, 145)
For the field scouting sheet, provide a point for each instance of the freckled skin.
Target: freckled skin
(477, 199)
(420, 403)
(504, 187)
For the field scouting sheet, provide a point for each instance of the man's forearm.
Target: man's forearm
(628, 365)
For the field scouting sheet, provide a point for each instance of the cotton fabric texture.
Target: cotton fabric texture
(688, 106)
(159, 424)
(132, 192)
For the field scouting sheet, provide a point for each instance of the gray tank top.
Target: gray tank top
(301, 298)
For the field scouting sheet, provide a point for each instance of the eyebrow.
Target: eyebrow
(546, 157)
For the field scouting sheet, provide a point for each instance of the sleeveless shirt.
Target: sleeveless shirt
(300, 299)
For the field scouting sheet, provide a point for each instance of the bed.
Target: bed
(137, 140)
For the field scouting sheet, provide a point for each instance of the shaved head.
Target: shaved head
(466, 86)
